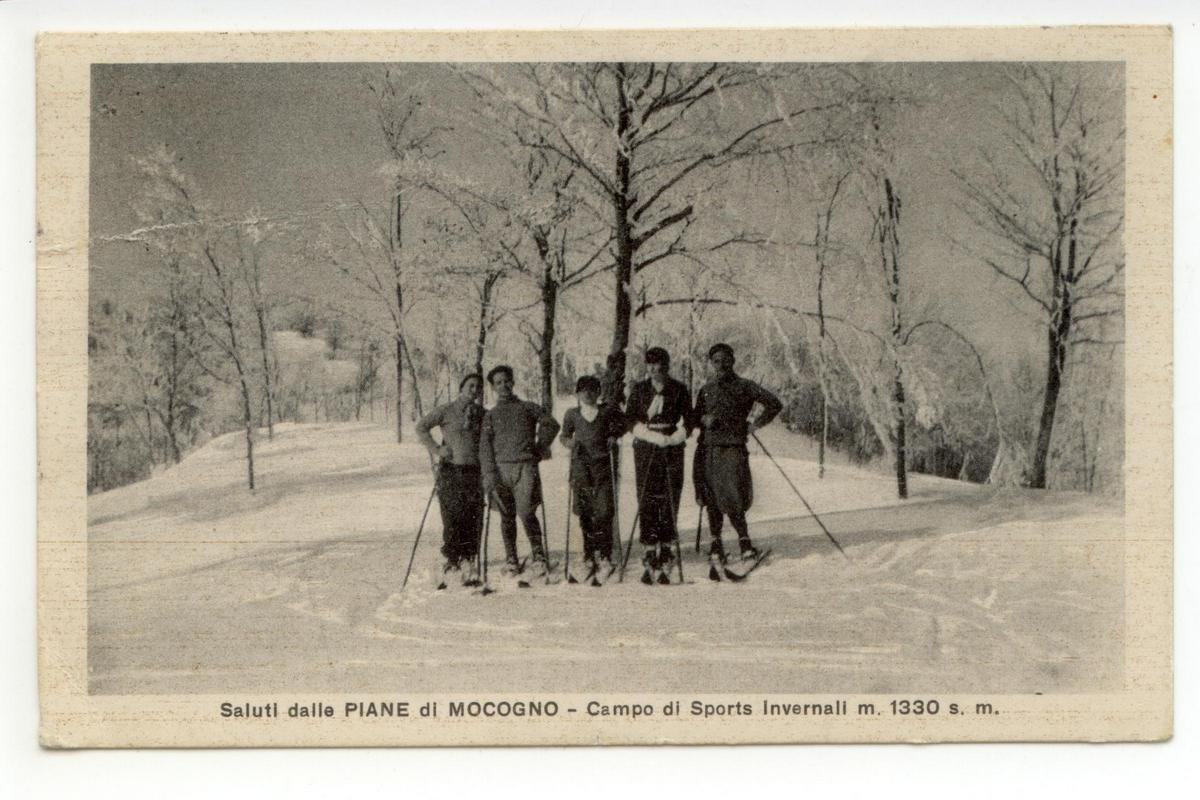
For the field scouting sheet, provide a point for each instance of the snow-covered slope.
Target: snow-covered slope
(195, 585)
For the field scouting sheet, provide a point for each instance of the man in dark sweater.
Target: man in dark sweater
(721, 469)
(460, 495)
(589, 430)
(660, 413)
(515, 436)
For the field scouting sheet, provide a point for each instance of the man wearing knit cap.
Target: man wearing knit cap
(721, 470)
(516, 434)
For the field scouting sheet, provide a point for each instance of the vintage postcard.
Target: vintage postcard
(620, 387)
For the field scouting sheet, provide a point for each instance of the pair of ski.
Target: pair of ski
(481, 587)
(650, 577)
(526, 581)
(725, 573)
(470, 583)
(596, 575)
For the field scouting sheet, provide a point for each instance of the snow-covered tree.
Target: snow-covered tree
(407, 134)
(1048, 203)
(179, 227)
(650, 142)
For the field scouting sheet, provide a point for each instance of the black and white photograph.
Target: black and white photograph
(662, 376)
(575, 400)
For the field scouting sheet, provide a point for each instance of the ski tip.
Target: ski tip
(755, 564)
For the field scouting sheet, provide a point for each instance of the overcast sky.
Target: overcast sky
(285, 138)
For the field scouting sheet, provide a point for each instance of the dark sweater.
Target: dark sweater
(459, 421)
(590, 439)
(676, 408)
(729, 401)
(515, 431)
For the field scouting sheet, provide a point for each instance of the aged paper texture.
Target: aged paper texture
(277, 273)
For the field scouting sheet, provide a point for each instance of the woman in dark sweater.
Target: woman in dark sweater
(589, 430)
(659, 412)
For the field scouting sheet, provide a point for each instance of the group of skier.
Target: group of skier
(492, 457)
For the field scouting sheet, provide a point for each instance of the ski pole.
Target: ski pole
(545, 539)
(479, 541)
(483, 553)
(637, 516)
(613, 449)
(697, 466)
(417, 540)
(817, 519)
(674, 519)
(570, 497)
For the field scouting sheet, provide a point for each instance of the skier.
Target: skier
(660, 414)
(515, 436)
(456, 467)
(590, 431)
(721, 469)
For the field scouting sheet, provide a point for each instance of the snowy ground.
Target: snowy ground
(195, 585)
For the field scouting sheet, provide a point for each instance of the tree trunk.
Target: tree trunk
(822, 377)
(889, 232)
(397, 244)
(235, 355)
(399, 386)
(172, 438)
(485, 313)
(418, 408)
(265, 348)
(1057, 335)
(1055, 358)
(901, 444)
(248, 426)
(481, 338)
(173, 388)
(614, 389)
(823, 441)
(546, 350)
(149, 432)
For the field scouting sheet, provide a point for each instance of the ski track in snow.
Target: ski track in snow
(196, 585)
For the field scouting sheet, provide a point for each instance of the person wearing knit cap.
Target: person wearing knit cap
(589, 431)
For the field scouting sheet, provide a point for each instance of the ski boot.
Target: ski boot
(666, 562)
(749, 551)
(604, 569)
(448, 570)
(537, 569)
(716, 560)
(470, 575)
(589, 568)
(649, 565)
(512, 567)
